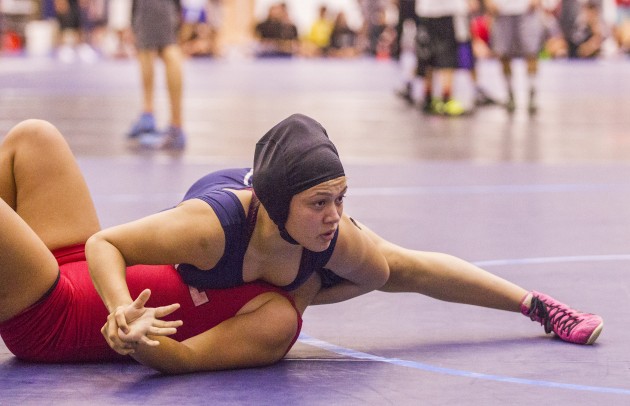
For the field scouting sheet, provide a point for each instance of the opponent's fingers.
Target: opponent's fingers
(142, 299)
(166, 310)
(162, 331)
(167, 323)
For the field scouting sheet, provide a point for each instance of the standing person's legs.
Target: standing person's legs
(149, 19)
(146, 60)
(506, 67)
(531, 39)
(156, 26)
(532, 73)
(504, 42)
(446, 78)
(427, 106)
(45, 205)
(445, 61)
(173, 137)
(146, 122)
(173, 63)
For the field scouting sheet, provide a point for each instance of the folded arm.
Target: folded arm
(189, 233)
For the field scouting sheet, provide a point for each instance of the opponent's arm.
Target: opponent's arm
(260, 334)
(358, 261)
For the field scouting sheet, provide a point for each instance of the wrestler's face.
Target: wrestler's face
(314, 214)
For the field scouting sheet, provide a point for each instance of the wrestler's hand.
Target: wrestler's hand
(130, 325)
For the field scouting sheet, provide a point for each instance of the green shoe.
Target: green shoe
(453, 108)
(437, 107)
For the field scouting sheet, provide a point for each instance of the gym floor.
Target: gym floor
(542, 200)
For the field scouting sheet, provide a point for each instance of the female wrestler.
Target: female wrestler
(288, 226)
(49, 309)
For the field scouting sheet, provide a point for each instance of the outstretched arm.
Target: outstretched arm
(445, 277)
(357, 260)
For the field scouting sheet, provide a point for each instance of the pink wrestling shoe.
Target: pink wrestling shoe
(568, 324)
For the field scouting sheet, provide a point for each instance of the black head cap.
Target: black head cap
(295, 155)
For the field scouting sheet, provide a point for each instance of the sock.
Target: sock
(428, 96)
(446, 96)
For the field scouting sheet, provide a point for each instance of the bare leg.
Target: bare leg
(532, 64)
(445, 277)
(532, 71)
(506, 64)
(146, 60)
(45, 204)
(173, 60)
(428, 84)
(446, 77)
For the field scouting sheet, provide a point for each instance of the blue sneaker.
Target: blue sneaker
(173, 138)
(144, 125)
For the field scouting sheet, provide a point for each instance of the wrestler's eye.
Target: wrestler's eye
(320, 204)
(339, 200)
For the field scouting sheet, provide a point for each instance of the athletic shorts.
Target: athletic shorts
(71, 20)
(155, 23)
(65, 325)
(517, 36)
(436, 44)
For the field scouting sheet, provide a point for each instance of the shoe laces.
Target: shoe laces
(553, 314)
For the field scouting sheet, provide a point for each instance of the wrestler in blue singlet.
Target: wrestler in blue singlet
(238, 226)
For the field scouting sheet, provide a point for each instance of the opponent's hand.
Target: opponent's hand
(129, 326)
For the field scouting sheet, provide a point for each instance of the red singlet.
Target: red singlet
(65, 325)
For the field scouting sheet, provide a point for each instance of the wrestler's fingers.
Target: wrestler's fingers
(110, 332)
(120, 347)
(121, 319)
(126, 350)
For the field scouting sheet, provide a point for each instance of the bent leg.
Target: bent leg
(445, 277)
(45, 204)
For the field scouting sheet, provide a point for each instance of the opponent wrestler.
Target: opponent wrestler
(288, 226)
(49, 309)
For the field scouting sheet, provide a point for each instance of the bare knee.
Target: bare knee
(279, 329)
(34, 132)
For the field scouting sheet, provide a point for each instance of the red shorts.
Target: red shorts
(65, 325)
